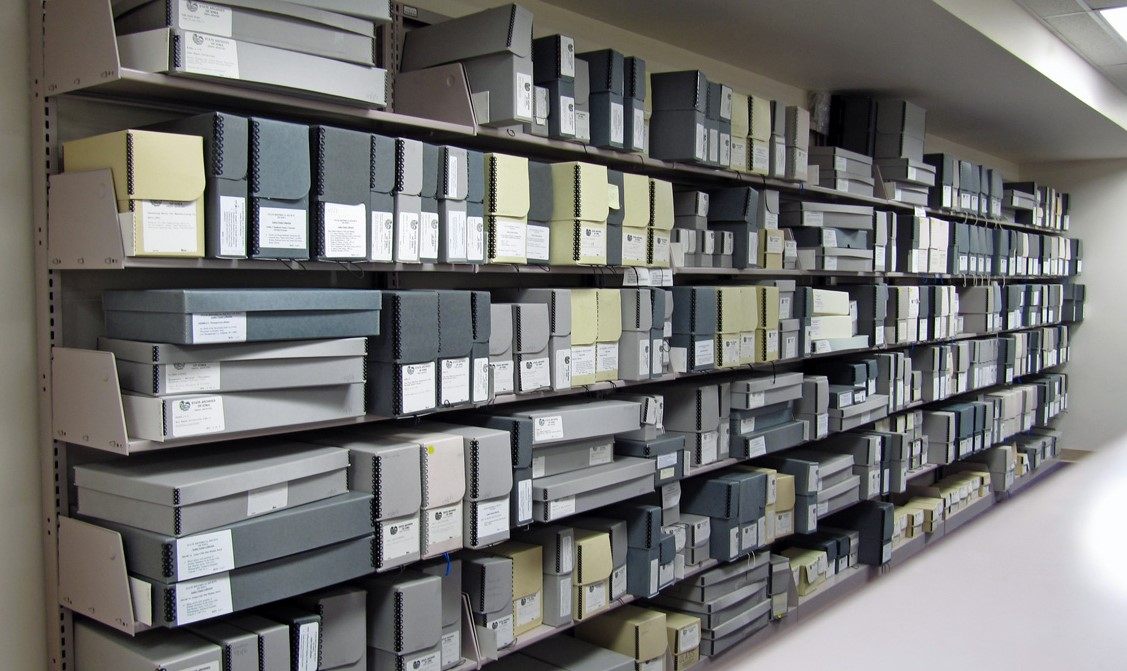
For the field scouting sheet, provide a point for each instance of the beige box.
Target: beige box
(630, 630)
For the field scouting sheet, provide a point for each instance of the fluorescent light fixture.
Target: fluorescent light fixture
(1117, 19)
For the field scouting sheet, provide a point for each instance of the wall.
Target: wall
(1099, 190)
(21, 553)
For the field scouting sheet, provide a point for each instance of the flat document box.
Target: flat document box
(208, 316)
(164, 353)
(548, 511)
(204, 598)
(573, 456)
(159, 177)
(209, 487)
(563, 422)
(185, 415)
(555, 488)
(575, 655)
(234, 376)
(404, 612)
(194, 54)
(507, 28)
(164, 558)
(292, 26)
(226, 139)
(388, 469)
(100, 648)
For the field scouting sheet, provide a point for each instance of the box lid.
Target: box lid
(240, 300)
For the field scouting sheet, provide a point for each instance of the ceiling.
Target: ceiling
(976, 92)
(1080, 25)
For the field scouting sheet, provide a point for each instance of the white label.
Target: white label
(823, 425)
(750, 536)
(761, 160)
(183, 378)
(790, 347)
(567, 559)
(656, 349)
(399, 539)
(690, 637)
(644, 357)
(714, 145)
(524, 501)
(561, 507)
(528, 609)
(567, 116)
(538, 242)
(308, 646)
(202, 599)
(594, 597)
(704, 352)
(535, 374)
(538, 467)
(475, 245)
(592, 242)
(480, 380)
(452, 183)
(886, 553)
(169, 227)
(639, 130)
(210, 55)
(709, 450)
(618, 581)
(492, 518)
(428, 231)
(878, 336)
(443, 524)
(232, 226)
(879, 257)
(773, 342)
(196, 416)
(524, 96)
(267, 499)
(204, 17)
(757, 447)
(606, 357)
(829, 263)
(734, 542)
(582, 361)
(417, 387)
(617, 123)
(209, 666)
(747, 425)
(204, 554)
(823, 508)
(671, 495)
(344, 231)
(383, 234)
(451, 647)
(654, 572)
(510, 238)
(755, 400)
(829, 237)
(601, 454)
(747, 347)
(425, 662)
(785, 307)
(548, 428)
(407, 234)
(700, 151)
(667, 460)
(562, 369)
(281, 228)
(455, 381)
(634, 248)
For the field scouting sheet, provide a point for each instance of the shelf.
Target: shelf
(966, 217)
(968, 514)
(1047, 468)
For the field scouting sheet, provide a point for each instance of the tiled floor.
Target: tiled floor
(1039, 582)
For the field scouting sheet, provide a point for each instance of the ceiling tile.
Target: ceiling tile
(1105, 4)
(1088, 36)
(1117, 74)
(1047, 8)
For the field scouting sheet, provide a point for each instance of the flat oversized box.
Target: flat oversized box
(562, 495)
(504, 29)
(204, 316)
(576, 655)
(101, 649)
(225, 144)
(159, 179)
(404, 611)
(210, 487)
(165, 559)
(629, 630)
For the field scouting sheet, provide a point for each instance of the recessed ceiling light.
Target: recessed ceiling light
(1117, 19)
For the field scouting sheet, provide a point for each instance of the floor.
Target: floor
(1039, 582)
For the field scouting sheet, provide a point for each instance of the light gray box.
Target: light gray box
(692, 407)
(203, 316)
(344, 625)
(450, 571)
(273, 639)
(559, 307)
(826, 215)
(501, 348)
(209, 487)
(404, 612)
(488, 581)
(240, 647)
(386, 467)
(398, 541)
(557, 600)
(100, 648)
(400, 389)
(549, 511)
(165, 353)
(635, 356)
(500, 624)
(615, 528)
(376, 10)
(504, 29)
(488, 457)
(451, 644)
(569, 421)
(259, 584)
(573, 654)
(234, 376)
(572, 456)
(637, 305)
(530, 346)
(166, 558)
(557, 487)
(453, 217)
(501, 88)
(430, 658)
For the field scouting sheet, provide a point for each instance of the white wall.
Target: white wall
(1096, 417)
(21, 552)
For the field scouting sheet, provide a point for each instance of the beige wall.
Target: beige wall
(1099, 217)
(21, 552)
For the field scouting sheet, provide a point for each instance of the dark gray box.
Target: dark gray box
(278, 188)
